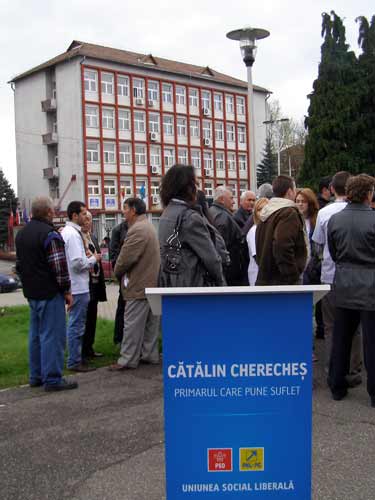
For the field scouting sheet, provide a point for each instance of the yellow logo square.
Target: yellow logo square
(252, 459)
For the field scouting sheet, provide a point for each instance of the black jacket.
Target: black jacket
(97, 284)
(118, 236)
(351, 242)
(241, 216)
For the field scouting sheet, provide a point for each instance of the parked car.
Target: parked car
(7, 283)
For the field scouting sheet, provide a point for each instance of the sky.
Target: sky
(33, 31)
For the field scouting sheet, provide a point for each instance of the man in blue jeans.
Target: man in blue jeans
(42, 265)
(80, 261)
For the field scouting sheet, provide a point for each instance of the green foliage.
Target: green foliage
(8, 200)
(266, 170)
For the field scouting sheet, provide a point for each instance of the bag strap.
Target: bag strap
(173, 240)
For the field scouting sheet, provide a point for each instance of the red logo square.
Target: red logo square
(219, 459)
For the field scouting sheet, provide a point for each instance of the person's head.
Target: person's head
(360, 189)
(77, 212)
(325, 187)
(224, 196)
(259, 204)
(133, 208)
(307, 204)
(179, 182)
(265, 191)
(338, 183)
(247, 200)
(42, 208)
(87, 224)
(202, 202)
(284, 186)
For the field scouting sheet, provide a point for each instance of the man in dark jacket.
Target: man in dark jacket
(247, 202)
(324, 195)
(42, 265)
(281, 240)
(221, 213)
(351, 242)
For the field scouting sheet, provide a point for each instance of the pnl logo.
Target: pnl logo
(251, 459)
(219, 459)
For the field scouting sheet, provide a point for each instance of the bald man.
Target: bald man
(247, 202)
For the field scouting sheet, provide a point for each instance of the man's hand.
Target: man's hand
(98, 256)
(68, 300)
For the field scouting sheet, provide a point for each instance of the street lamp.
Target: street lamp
(271, 122)
(247, 37)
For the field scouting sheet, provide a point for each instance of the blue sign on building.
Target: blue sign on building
(238, 392)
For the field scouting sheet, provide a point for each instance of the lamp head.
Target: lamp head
(247, 37)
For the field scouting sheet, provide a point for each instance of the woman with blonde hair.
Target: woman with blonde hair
(250, 238)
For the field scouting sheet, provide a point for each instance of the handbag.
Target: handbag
(173, 261)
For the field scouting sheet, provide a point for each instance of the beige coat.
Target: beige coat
(139, 259)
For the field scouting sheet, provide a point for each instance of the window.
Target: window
(168, 125)
(181, 126)
(230, 132)
(206, 129)
(241, 133)
(180, 95)
(91, 80)
(93, 186)
(233, 187)
(154, 122)
(54, 89)
(219, 161)
(125, 153)
(194, 127)
(139, 121)
(207, 160)
(229, 103)
(169, 157)
(92, 152)
(108, 118)
(196, 158)
(92, 116)
(206, 99)
(124, 119)
(140, 155)
(167, 93)
(126, 188)
(123, 86)
(141, 190)
(110, 187)
(109, 149)
(153, 91)
(219, 131)
(138, 88)
(155, 156)
(182, 156)
(193, 97)
(107, 83)
(242, 162)
(240, 105)
(218, 102)
(231, 161)
(208, 189)
(155, 188)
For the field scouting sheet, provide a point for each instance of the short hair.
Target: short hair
(74, 207)
(138, 205)
(220, 191)
(245, 193)
(281, 184)
(339, 181)
(179, 182)
(324, 182)
(265, 191)
(358, 187)
(259, 204)
(40, 207)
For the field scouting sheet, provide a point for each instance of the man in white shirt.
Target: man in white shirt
(79, 260)
(319, 237)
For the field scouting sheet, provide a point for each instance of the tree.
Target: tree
(266, 170)
(8, 202)
(333, 120)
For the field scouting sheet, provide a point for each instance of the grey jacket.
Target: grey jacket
(201, 263)
(351, 242)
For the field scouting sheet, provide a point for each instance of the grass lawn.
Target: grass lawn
(14, 327)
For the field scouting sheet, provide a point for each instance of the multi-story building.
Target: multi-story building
(100, 124)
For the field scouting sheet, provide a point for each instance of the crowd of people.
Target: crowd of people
(278, 236)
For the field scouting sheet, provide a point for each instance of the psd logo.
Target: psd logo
(219, 459)
(251, 459)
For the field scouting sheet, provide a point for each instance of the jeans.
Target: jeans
(47, 337)
(76, 328)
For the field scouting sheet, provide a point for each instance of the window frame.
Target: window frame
(123, 86)
(107, 85)
(107, 154)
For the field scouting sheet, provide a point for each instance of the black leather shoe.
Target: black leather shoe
(63, 386)
(373, 402)
(38, 383)
(338, 396)
(81, 368)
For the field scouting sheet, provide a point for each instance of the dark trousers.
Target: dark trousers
(119, 319)
(319, 319)
(345, 326)
(90, 328)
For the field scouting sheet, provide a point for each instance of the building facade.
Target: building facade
(100, 124)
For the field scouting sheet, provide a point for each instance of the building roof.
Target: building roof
(77, 48)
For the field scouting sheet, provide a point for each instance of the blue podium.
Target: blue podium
(237, 365)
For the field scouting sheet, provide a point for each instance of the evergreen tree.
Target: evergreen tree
(267, 169)
(8, 201)
(333, 120)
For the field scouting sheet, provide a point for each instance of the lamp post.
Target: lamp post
(247, 37)
(270, 122)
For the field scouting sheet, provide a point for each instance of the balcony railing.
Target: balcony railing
(50, 138)
(49, 105)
